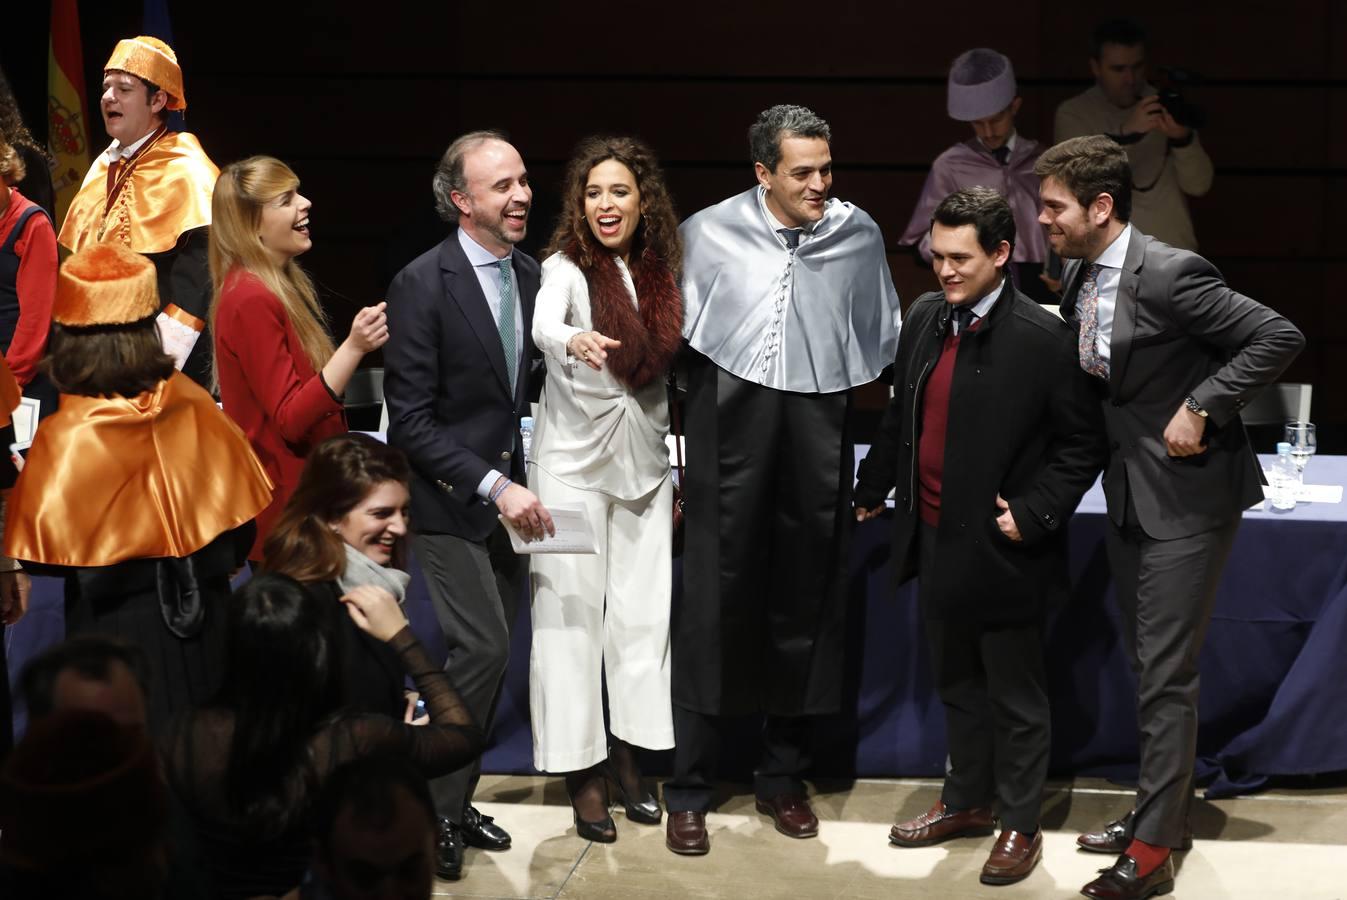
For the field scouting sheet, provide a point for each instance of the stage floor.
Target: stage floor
(1275, 844)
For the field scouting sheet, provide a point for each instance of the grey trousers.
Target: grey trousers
(475, 590)
(1166, 592)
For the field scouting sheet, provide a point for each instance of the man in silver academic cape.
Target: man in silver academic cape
(789, 305)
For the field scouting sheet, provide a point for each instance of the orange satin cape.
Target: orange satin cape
(110, 479)
(167, 193)
(10, 395)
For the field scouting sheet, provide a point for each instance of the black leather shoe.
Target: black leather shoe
(482, 831)
(1116, 836)
(448, 851)
(604, 832)
(643, 808)
(1120, 881)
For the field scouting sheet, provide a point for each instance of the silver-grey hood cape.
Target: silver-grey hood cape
(823, 318)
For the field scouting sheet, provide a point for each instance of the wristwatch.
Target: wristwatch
(1193, 406)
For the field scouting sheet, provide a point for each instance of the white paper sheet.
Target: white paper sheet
(573, 534)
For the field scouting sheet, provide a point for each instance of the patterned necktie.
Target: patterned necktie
(791, 236)
(1088, 302)
(505, 324)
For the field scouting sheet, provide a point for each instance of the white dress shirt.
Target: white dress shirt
(116, 152)
(984, 306)
(486, 266)
(1111, 261)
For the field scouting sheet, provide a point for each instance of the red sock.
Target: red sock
(1148, 856)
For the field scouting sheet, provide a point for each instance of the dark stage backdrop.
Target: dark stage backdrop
(361, 98)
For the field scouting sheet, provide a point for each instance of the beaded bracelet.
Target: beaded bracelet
(498, 490)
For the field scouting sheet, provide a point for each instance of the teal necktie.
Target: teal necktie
(506, 322)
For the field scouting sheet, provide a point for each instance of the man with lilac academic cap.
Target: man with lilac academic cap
(983, 93)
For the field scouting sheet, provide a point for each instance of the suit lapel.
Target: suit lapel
(1124, 311)
(1072, 273)
(463, 288)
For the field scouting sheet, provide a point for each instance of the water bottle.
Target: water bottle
(1285, 480)
(526, 436)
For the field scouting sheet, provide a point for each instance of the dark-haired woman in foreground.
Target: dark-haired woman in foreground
(609, 318)
(248, 765)
(345, 527)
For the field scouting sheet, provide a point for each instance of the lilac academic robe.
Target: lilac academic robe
(969, 164)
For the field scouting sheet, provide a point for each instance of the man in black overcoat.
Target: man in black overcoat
(992, 436)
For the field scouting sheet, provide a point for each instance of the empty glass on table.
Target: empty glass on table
(1301, 437)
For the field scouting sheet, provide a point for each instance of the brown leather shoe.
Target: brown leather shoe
(1116, 837)
(685, 833)
(940, 824)
(1120, 881)
(792, 815)
(1013, 858)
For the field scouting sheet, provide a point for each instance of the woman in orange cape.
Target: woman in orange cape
(138, 490)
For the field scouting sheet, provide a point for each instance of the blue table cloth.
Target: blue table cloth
(1274, 668)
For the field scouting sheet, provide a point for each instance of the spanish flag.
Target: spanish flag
(67, 106)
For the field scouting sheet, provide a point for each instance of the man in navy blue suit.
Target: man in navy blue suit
(456, 382)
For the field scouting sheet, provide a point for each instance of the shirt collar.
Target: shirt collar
(984, 306)
(777, 224)
(476, 253)
(116, 152)
(1115, 254)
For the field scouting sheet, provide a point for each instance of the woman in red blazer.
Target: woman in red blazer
(276, 370)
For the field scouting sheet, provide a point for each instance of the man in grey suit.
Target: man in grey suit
(1177, 354)
(456, 382)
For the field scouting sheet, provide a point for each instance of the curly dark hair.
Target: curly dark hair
(658, 230)
(12, 129)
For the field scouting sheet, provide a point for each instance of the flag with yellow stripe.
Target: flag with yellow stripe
(67, 106)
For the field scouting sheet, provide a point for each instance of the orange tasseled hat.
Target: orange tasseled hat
(105, 284)
(151, 59)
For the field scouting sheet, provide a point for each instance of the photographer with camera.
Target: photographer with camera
(1156, 127)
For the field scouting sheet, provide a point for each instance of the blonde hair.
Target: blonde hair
(236, 214)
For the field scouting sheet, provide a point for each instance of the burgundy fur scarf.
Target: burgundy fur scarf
(651, 334)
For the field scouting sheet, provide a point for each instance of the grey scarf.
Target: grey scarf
(361, 570)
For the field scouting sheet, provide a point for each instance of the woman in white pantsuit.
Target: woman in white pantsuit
(609, 319)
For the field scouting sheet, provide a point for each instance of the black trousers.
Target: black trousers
(785, 756)
(1166, 592)
(992, 682)
(474, 588)
(760, 624)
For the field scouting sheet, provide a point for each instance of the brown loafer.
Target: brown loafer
(792, 815)
(1013, 858)
(685, 833)
(1120, 881)
(940, 824)
(1116, 837)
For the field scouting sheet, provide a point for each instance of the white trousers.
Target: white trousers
(605, 612)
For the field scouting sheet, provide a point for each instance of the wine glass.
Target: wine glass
(1301, 437)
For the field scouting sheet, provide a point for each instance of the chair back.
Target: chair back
(364, 399)
(1278, 404)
